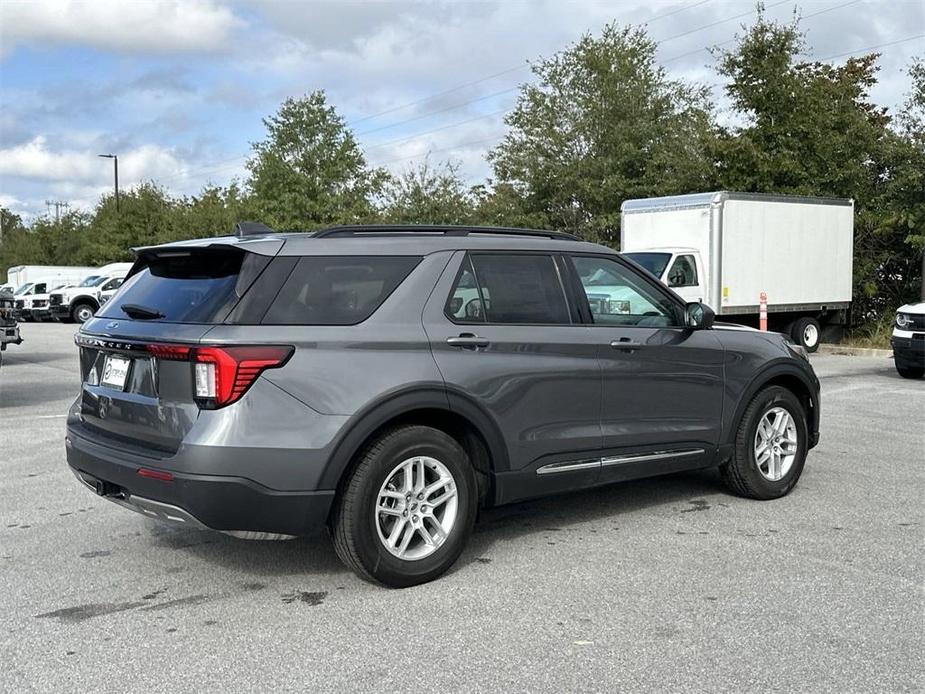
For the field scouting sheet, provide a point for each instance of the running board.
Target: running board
(611, 460)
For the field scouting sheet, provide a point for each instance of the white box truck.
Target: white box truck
(730, 249)
(18, 275)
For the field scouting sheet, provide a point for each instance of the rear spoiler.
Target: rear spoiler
(246, 237)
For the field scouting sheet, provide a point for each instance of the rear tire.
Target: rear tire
(370, 510)
(748, 473)
(910, 371)
(807, 332)
(82, 312)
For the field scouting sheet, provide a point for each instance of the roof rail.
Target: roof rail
(251, 229)
(445, 229)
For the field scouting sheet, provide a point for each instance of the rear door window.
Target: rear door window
(337, 290)
(517, 288)
(189, 286)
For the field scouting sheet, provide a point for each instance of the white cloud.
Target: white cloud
(35, 160)
(153, 26)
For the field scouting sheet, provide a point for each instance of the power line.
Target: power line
(724, 43)
(506, 71)
(505, 91)
(713, 24)
(434, 130)
(873, 48)
(442, 149)
(500, 137)
(351, 123)
(233, 162)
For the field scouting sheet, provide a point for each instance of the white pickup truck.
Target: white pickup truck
(730, 249)
(80, 302)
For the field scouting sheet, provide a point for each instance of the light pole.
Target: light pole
(115, 171)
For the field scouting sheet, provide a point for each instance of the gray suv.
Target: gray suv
(387, 382)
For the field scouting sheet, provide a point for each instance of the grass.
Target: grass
(875, 335)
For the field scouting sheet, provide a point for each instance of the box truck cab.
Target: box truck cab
(730, 249)
(679, 268)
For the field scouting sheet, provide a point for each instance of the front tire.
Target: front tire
(82, 312)
(770, 446)
(910, 371)
(407, 510)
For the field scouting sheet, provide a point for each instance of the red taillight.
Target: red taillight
(222, 375)
(176, 352)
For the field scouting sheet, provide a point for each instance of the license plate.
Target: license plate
(115, 370)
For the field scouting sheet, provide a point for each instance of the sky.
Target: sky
(178, 88)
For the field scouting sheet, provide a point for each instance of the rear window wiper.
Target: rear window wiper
(140, 312)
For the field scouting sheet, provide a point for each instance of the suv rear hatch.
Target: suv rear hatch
(145, 376)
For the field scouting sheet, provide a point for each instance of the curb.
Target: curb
(855, 351)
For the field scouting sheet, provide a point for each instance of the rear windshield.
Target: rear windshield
(194, 286)
(337, 290)
(653, 262)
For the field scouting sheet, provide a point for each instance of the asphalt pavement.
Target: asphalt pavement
(667, 584)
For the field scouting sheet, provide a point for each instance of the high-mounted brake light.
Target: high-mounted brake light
(221, 375)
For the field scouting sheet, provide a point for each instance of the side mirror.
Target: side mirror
(699, 316)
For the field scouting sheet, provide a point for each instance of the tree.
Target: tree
(310, 171)
(428, 194)
(214, 211)
(17, 245)
(809, 128)
(602, 123)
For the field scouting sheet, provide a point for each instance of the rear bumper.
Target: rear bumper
(235, 505)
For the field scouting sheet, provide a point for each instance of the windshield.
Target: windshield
(92, 281)
(23, 289)
(653, 262)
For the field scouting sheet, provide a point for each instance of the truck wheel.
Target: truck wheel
(806, 332)
(910, 371)
(770, 446)
(82, 312)
(407, 510)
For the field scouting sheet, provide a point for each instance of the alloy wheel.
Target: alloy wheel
(776, 444)
(416, 508)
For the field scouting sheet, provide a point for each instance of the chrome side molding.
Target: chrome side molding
(607, 461)
(569, 466)
(654, 455)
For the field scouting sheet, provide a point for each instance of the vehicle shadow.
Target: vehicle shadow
(315, 555)
(600, 505)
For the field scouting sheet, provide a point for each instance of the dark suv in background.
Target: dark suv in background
(386, 382)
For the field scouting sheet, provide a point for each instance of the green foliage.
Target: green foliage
(428, 194)
(602, 123)
(310, 171)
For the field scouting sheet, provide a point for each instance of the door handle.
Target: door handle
(624, 344)
(467, 341)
